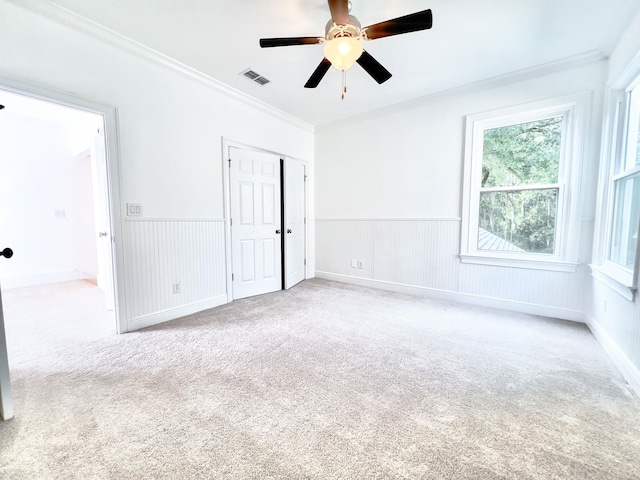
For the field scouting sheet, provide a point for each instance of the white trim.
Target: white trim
(6, 399)
(114, 180)
(472, 88)
(173, 219)
(61, 15)
(628, 77)
(629, 371)
(174, 313)
(608, 152)
(607, 275)
(479, 300)
(226, 200)
(552, 266)
(388, 219)
(307, 174)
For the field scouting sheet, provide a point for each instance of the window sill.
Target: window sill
(547, 265)
(616, 279)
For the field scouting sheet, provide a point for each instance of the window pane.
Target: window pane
(520, 221)
(625, 221)
(522, 154)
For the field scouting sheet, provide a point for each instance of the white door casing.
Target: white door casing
(256, 239)
(294, 212)
(6, 402)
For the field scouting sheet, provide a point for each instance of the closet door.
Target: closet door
(294, 221)
(256, 222)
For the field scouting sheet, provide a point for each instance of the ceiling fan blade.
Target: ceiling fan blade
(339, 11)
(373, 68)
(318, 74)
(287, 42)
(409, 23)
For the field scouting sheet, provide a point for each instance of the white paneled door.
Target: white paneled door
(256, 237)
(6, 402)
(294, 214)
(103, 222)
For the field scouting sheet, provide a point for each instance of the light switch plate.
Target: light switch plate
(134, 210)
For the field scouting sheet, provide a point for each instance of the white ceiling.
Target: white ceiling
(470, 41)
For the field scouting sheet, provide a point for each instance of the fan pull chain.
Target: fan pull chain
(344, 83)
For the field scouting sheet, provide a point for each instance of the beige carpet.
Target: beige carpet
(326, 381)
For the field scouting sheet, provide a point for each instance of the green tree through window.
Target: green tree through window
(519, 185)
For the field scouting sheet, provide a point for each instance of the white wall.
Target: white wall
(614, 319)
(396, 187)
(41, 174)
(170, 134)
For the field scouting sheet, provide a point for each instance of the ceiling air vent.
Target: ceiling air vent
(255, 76)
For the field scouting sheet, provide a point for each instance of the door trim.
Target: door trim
(226, 145)
(114, 186)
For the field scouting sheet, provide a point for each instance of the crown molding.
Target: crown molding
(472, 88)
(66, 17)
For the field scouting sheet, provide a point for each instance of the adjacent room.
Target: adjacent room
(319, 239)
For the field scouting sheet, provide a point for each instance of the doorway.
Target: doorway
(54, 207)
(266, 221)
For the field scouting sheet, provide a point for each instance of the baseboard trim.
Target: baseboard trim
(175, 313)
(44, 279)
(479, 300)
(629, 371)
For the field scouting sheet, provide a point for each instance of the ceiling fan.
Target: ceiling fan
(342, 46)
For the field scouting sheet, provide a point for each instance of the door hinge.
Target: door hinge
(305, 178)
(231, 221)
(229, 163)
(305, 220)
(233, 277)
(305, 261)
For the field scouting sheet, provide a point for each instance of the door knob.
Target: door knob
(277, 232)
(7, 252)
(289, 230)
(102, 234)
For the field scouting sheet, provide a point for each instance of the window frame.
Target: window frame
(623, 118)
(565, 257)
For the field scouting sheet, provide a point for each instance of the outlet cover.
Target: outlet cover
(177, 288)
(354, 264)
(360, 264)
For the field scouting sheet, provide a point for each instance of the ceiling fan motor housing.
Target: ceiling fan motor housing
(351, 29)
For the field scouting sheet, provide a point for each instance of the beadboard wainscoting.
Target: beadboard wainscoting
(162, 253)
(422, 256)
(423, 253)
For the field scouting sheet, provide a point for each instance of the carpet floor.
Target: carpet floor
(324, 381)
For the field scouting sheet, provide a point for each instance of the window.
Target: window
(516, 208)
(623, 210)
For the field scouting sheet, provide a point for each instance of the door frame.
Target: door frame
(114, 187)
(226, 144)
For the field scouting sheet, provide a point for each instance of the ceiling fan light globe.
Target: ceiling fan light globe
(343, 52)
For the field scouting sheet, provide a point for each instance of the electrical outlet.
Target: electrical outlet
(177, 288)
(360, 264)
(354, 263)
(59, 214)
